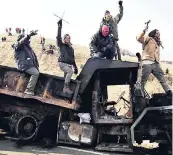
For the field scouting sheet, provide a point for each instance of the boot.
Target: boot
(66, 89)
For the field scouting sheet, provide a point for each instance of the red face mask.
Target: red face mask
(105, 30)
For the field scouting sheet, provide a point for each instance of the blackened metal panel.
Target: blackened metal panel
(94, 64)
(48, 89)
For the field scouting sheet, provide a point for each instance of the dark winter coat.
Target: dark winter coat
(66, 50)
(25, 57)
(99, 42)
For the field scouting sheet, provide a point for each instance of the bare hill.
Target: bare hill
(49, 65)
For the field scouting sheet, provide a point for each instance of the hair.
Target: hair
(66, 36)
(152, 33)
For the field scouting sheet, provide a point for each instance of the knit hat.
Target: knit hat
(107, 12)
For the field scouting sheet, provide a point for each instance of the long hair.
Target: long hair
(152, 33)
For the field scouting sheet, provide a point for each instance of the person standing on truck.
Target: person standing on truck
(101, 44)
(66, 59)
(112, 22)
(26, 60)
(150, 58)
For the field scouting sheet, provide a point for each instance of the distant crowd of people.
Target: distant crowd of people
(22, 31)
(18, 31)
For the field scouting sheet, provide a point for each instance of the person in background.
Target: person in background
(9, 32)
(66, 59)
(6, 30)
(43, 43)
(23, 31)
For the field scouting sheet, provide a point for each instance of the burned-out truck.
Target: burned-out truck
(87, 117)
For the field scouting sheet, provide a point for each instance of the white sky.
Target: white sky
(84, 17)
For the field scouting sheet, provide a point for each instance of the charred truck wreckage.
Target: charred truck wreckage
(85, 118)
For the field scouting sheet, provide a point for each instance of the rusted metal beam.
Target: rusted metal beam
(52, 101)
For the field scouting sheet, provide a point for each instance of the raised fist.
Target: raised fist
(60, 22)
(33, 33)
(120, 3)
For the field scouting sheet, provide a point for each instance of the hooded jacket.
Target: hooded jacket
(24, 55)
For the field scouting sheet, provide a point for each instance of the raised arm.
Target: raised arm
(22, 39)
(119, 16)
(142, 38)
(58, 38)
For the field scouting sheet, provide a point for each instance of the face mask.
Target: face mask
(107, 18)
(105, 31)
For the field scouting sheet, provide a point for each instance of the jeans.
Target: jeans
(68, 71)
(157, 71)
(33, 79)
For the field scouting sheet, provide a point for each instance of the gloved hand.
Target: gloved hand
(120, 3)
(97, 55)
(104, 49)
(33, 33)
(145, 29)
(75, 71)
(60, 23)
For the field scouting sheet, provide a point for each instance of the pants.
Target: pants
(33, 79)
(68, 71)
(109, 54)
(156, 70)
(117, 50)
(42, 46)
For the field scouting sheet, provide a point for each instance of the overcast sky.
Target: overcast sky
(84, 17)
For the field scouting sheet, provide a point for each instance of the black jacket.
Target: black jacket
(98, 42)
(66, 51)
(24, 55)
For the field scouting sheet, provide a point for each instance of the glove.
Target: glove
(120, 3)
(76, 71)
(104, 49)
(146, 28)
(97, 55)
(33, 33)
(60, 23)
